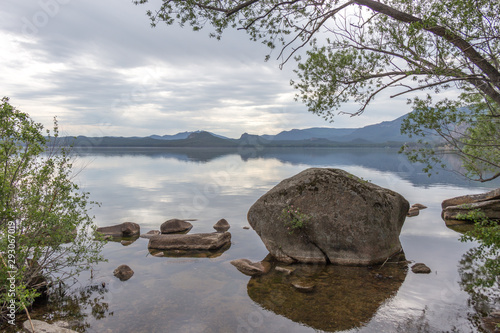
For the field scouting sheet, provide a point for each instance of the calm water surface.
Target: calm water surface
(191, 294)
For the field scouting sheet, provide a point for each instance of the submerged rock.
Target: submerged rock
(327, 298)
(284, 270)
(123, 272)
(190, 242)
(346, 220)
(126, 229)
(41, 326)
(175, 226)
(304, 286)
(150, 234)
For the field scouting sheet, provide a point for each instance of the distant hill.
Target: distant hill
(181, 136)
(383, 132)
(309, 133)
(194, 139)
(386, 133)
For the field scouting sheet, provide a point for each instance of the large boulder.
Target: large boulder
(455, 209)
(349, 221)
(175, 226)
(126, 229)
(190, 242)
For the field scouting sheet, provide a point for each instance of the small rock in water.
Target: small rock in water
(222, 225)
(419, 206)
(246, 227)
(249, 268)
(413, 211)
(123, 272)
(420, 268)
(175, 226)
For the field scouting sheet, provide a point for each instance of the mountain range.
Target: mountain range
(386, 133)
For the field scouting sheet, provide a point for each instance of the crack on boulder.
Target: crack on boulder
(327, 260)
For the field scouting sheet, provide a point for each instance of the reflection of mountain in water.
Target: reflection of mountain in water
(378, 159)
(343, 297)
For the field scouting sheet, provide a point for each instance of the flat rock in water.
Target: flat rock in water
(175, 226)
(43, 327)
(468, 199)
(126, 229)
(190, 242)
(490, 208)
(418, 206)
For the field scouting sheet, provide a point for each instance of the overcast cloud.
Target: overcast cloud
(102, 70)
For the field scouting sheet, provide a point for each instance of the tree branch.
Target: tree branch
(240, 7)
(464, 46)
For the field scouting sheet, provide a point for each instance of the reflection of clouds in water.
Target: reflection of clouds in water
(210, 294)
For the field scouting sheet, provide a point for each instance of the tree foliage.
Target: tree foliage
(362, 49)
(46, 232)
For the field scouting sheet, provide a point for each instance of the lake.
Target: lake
(195, 294)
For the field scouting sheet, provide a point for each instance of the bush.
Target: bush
(46, 232)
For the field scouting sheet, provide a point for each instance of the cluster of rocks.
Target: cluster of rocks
(346, 220)
(456, 209)
(250, 268)
(173, 236)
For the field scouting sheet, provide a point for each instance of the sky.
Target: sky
(102, 70)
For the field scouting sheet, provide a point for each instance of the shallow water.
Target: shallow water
(207, 294)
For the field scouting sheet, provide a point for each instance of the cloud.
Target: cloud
(101, 68)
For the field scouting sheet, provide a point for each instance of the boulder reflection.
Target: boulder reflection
(335, 298)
